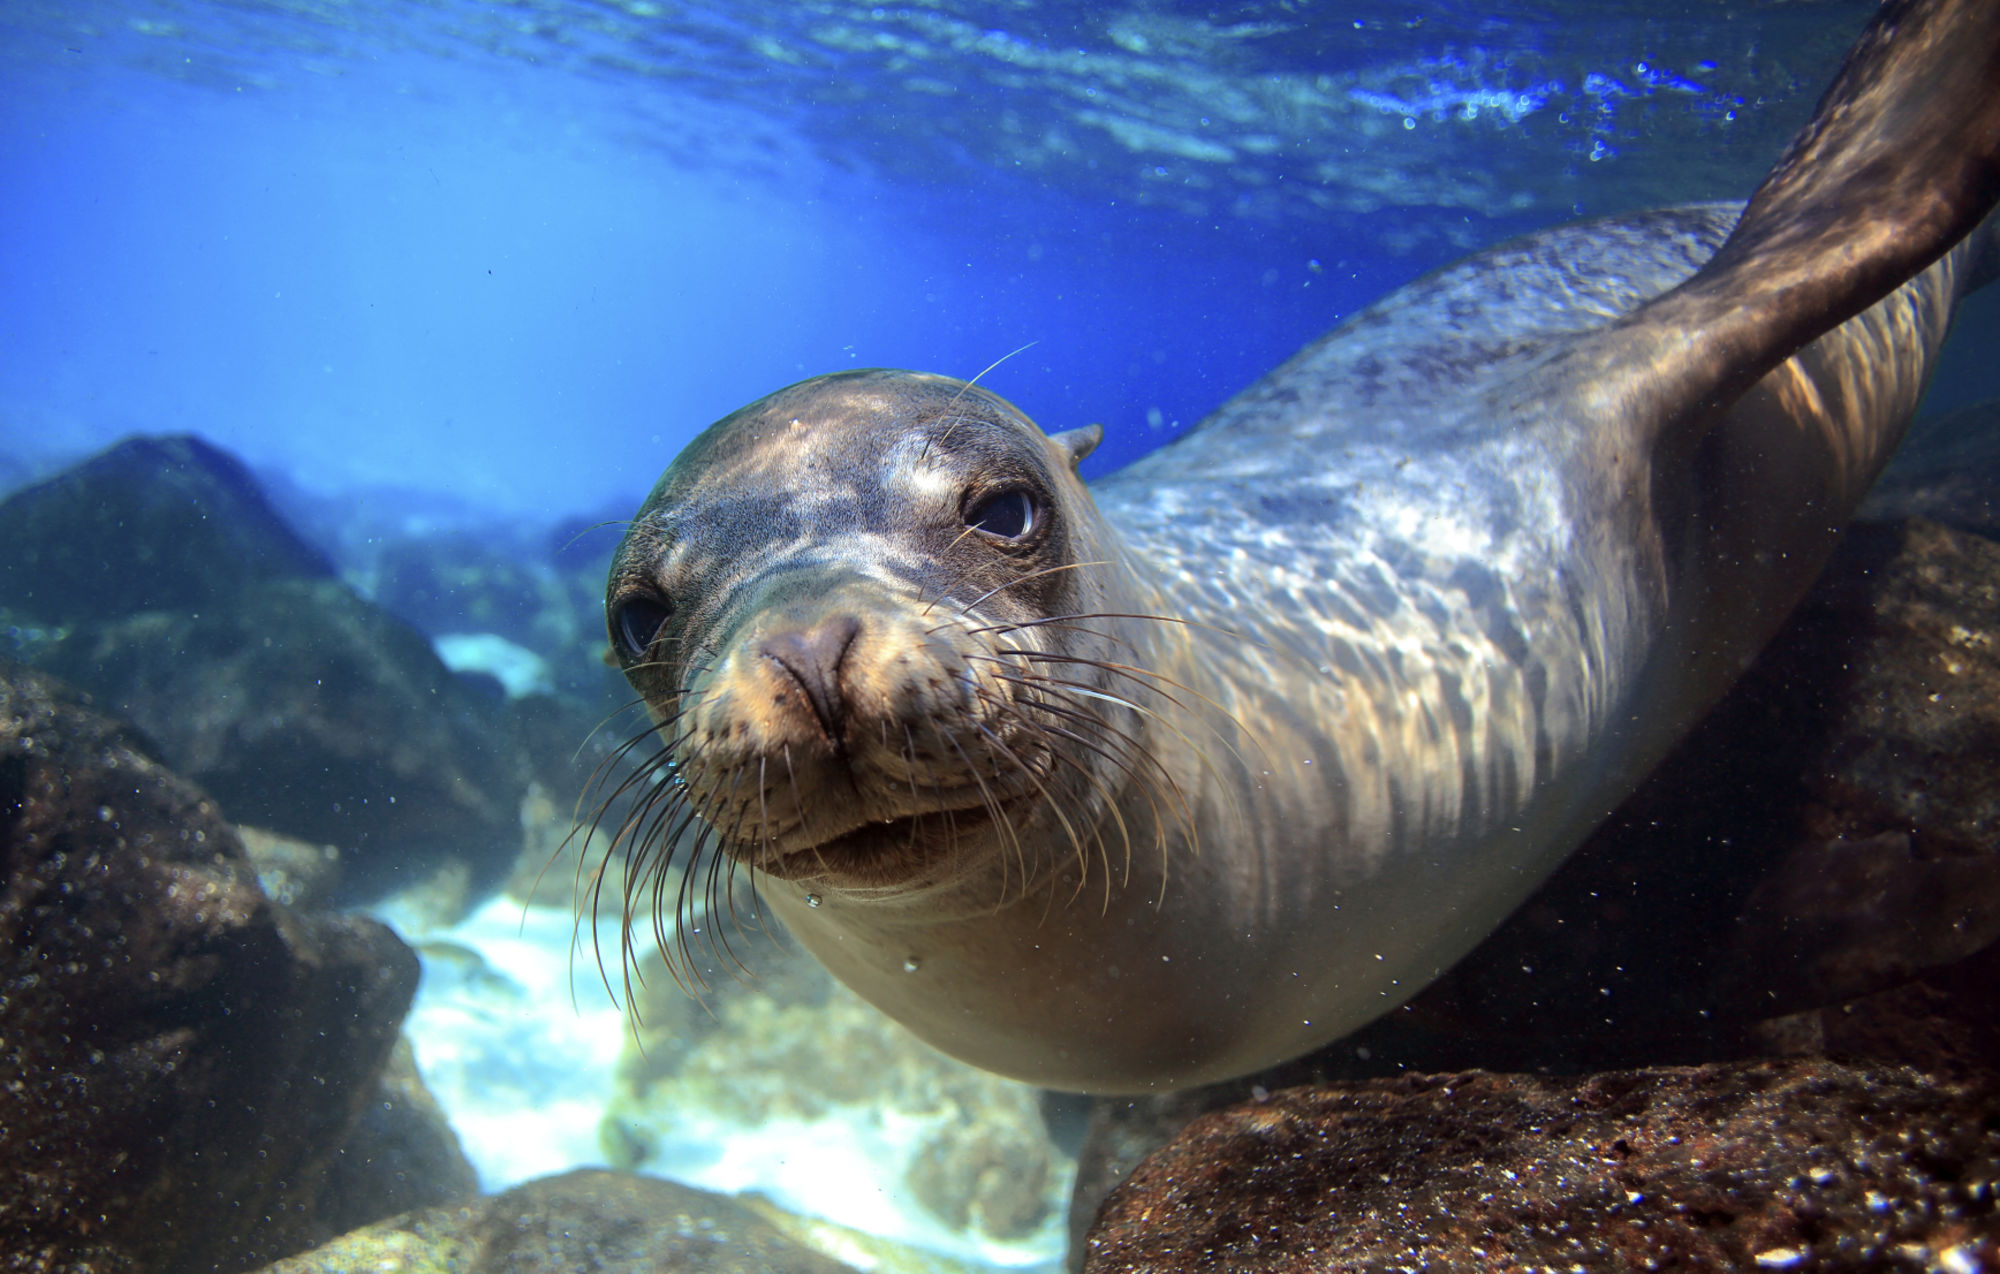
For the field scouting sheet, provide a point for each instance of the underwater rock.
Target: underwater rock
(525, 594)
(1947, 470)
(457, 581)
(299, 875)
(777, 1043)
(180, 1058)
(604, 1222)
(304, 709)
(402, 1155)
(1760, 1165)
(300, 706)
(150, 524)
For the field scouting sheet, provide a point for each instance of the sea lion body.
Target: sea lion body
(1208, 770)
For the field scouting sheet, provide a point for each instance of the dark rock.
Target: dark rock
(600, 1222)
(401, 1156)
(150, 524)
(301, 876)
(542, 592)
(158, 578)
(306, 710)
(460, 582)
(1775, 1164)
(180, 1058)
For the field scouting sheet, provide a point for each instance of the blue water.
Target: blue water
(513, 256)
(499, 261)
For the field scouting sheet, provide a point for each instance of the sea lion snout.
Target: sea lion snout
(813, 658)
(854, 733)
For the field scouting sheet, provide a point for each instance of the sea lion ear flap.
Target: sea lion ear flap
(1078, 442)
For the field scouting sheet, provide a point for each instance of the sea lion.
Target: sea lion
(1151, 784)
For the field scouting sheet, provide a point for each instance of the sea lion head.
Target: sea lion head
(868, 617)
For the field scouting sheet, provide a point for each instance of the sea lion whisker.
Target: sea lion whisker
(964, 390)
(589, 827)
(666, 832)
(1200, 754)
(718, 873)
(689, 970)
(1049, 620)
(1116, 746)
(570, 543)
(656, 802)
(597, 778)
(1109, 799)
(1022, 579)
(1153, 681)
(650, 778)
(763, 805)
(996, 813)
(799, 808)
(916, 797)
(1096, 633)
(944, 590)
(999, 745)
(1155, 771)
(595, 892)
(939, 805)
(684, 901)
(605, 720)
(763, 840)
(994, 741)
(980, 375)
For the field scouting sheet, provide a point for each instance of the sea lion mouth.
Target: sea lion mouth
(879, 852)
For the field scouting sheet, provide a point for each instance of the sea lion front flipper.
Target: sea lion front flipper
(1900, 161)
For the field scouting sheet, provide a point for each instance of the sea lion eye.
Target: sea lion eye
(1008, 515)
(637, 621)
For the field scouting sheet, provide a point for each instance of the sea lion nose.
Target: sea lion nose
(812, 657)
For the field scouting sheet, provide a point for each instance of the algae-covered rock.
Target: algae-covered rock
(601, 1222)
(157, 577)
(181, 1060)
(1757, 1165)
(149, 524)
(305, 709)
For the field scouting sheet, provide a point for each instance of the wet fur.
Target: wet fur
(1254, 742)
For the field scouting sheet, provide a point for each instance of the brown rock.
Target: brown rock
(1782, 1164)
(403, 1154)
(166, 523)
(308, 710)
(180, 1058)
(599, 1222)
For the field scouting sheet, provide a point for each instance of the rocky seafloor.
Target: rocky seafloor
(1752, 1024)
